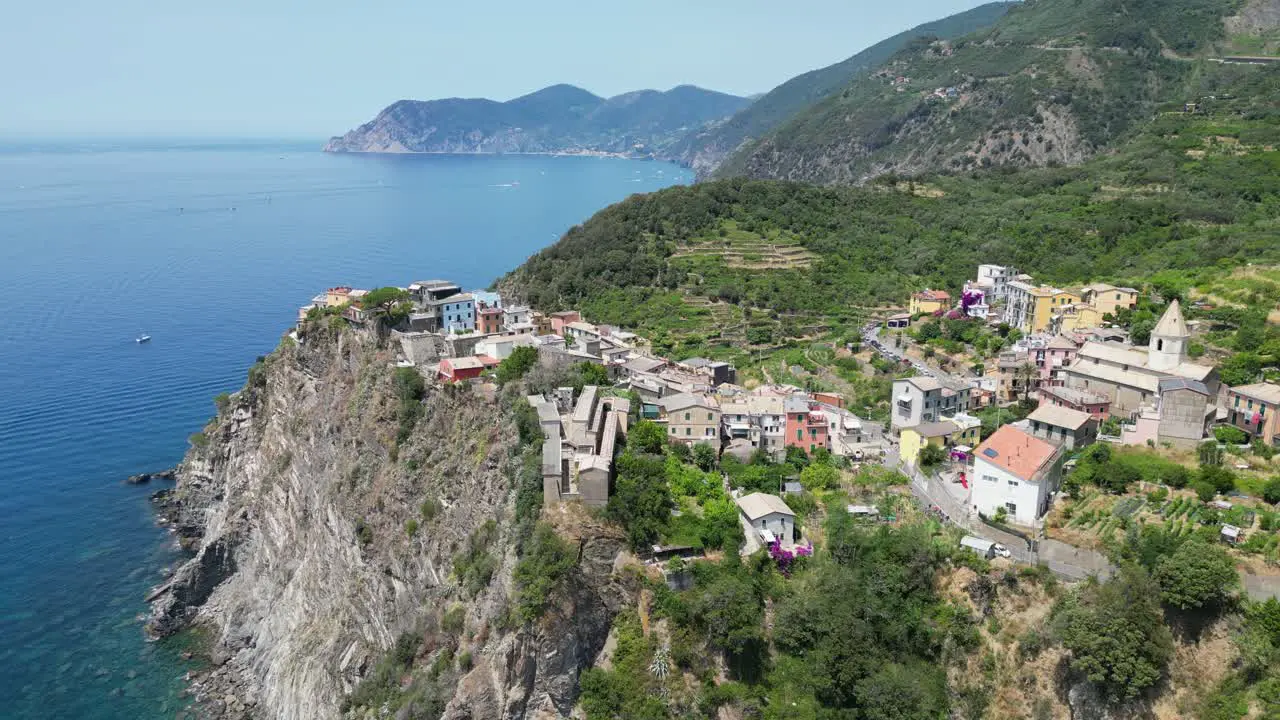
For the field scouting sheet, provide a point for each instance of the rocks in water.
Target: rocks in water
(144, 478)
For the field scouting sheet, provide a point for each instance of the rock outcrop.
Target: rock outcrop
(318, 540)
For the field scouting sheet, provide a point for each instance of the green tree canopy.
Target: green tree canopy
(642, 500)
(819, 477)
(646, 436)
(387, 302)
(1116, 633)
(1196, 575)
(515, 365)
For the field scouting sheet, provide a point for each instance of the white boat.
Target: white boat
(143, 339)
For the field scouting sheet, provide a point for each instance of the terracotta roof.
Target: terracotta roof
(933, 295)
(1017, 452)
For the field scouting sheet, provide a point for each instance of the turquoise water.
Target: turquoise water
(209, 248)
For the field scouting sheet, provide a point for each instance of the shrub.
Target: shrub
(429, 509)
(454, 619)
(1205, 491)
(199, 440)
(464, 661)
(1230, 435)
(545, 565)
(222, 401)
(411, 527)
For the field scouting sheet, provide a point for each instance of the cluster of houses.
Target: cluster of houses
(1081, 372)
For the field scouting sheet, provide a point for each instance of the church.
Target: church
(1130, 377)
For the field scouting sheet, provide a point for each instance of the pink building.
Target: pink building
(806, 424)
(560, 320)
(1058, 352)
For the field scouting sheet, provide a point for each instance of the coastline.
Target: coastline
(545, 153)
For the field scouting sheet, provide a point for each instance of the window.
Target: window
(709, 432)
(799, 434)
(673, 431)
(710, 417)
(686, 416)
(1013, 483)
(989, 478)
(688, 431)
(1159, 344)
(1011, 508)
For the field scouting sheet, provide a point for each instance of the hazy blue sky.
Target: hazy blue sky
(320, 67)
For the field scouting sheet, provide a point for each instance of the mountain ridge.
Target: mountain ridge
(1049, 82)
(705, 150)
(557, 118)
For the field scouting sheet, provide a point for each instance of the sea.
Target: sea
(209, 247)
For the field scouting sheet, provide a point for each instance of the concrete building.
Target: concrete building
(898, 322)
(578, 449)
(717, 371)
(1097, 406)
(458, 369)
(691, 418)
(806, 424)
(760, 420)
(1063, 426)
(562, 318)
(1016, 472)
(501, 346)
(961, 432)
(848, 435)
(1255, 409)
(489, 320)
(1030, 308)
(1130, 377)
(769, 517)
(1186, 410)
(929, 302)
(995, 279)
(924, 398)
(517, 315)
(1108, 299)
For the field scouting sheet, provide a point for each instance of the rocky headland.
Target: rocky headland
(320, 541)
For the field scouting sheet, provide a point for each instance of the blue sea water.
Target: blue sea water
(209, 248)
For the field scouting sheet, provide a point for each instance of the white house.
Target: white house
(769, 517)
(1018, 472)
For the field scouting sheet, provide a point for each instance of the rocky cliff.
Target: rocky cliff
(320, 540)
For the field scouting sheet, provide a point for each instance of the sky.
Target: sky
(294, 68)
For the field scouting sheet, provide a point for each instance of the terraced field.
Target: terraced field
(746, 249)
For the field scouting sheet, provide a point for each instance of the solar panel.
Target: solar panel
(990, 452)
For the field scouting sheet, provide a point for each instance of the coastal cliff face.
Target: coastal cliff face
(320, 542)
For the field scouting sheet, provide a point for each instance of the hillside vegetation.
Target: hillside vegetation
(559, 118)
(1051, 82)
(705, 149)
(706, 266)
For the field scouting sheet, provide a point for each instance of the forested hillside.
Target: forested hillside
(1052, 82)
(717, 260)
(705, 149)
(560, 118)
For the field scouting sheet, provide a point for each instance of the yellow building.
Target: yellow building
(1076, 316)
(1107, 299)
(1031, 309)
(929, 302)
(959, 431)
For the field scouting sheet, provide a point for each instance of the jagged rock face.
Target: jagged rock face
(534, 673)
(301, 603)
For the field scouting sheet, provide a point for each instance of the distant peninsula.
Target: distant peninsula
(557, 119)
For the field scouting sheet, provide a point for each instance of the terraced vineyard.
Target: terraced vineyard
(740, 248)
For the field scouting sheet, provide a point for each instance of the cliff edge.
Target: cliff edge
(328, 534)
